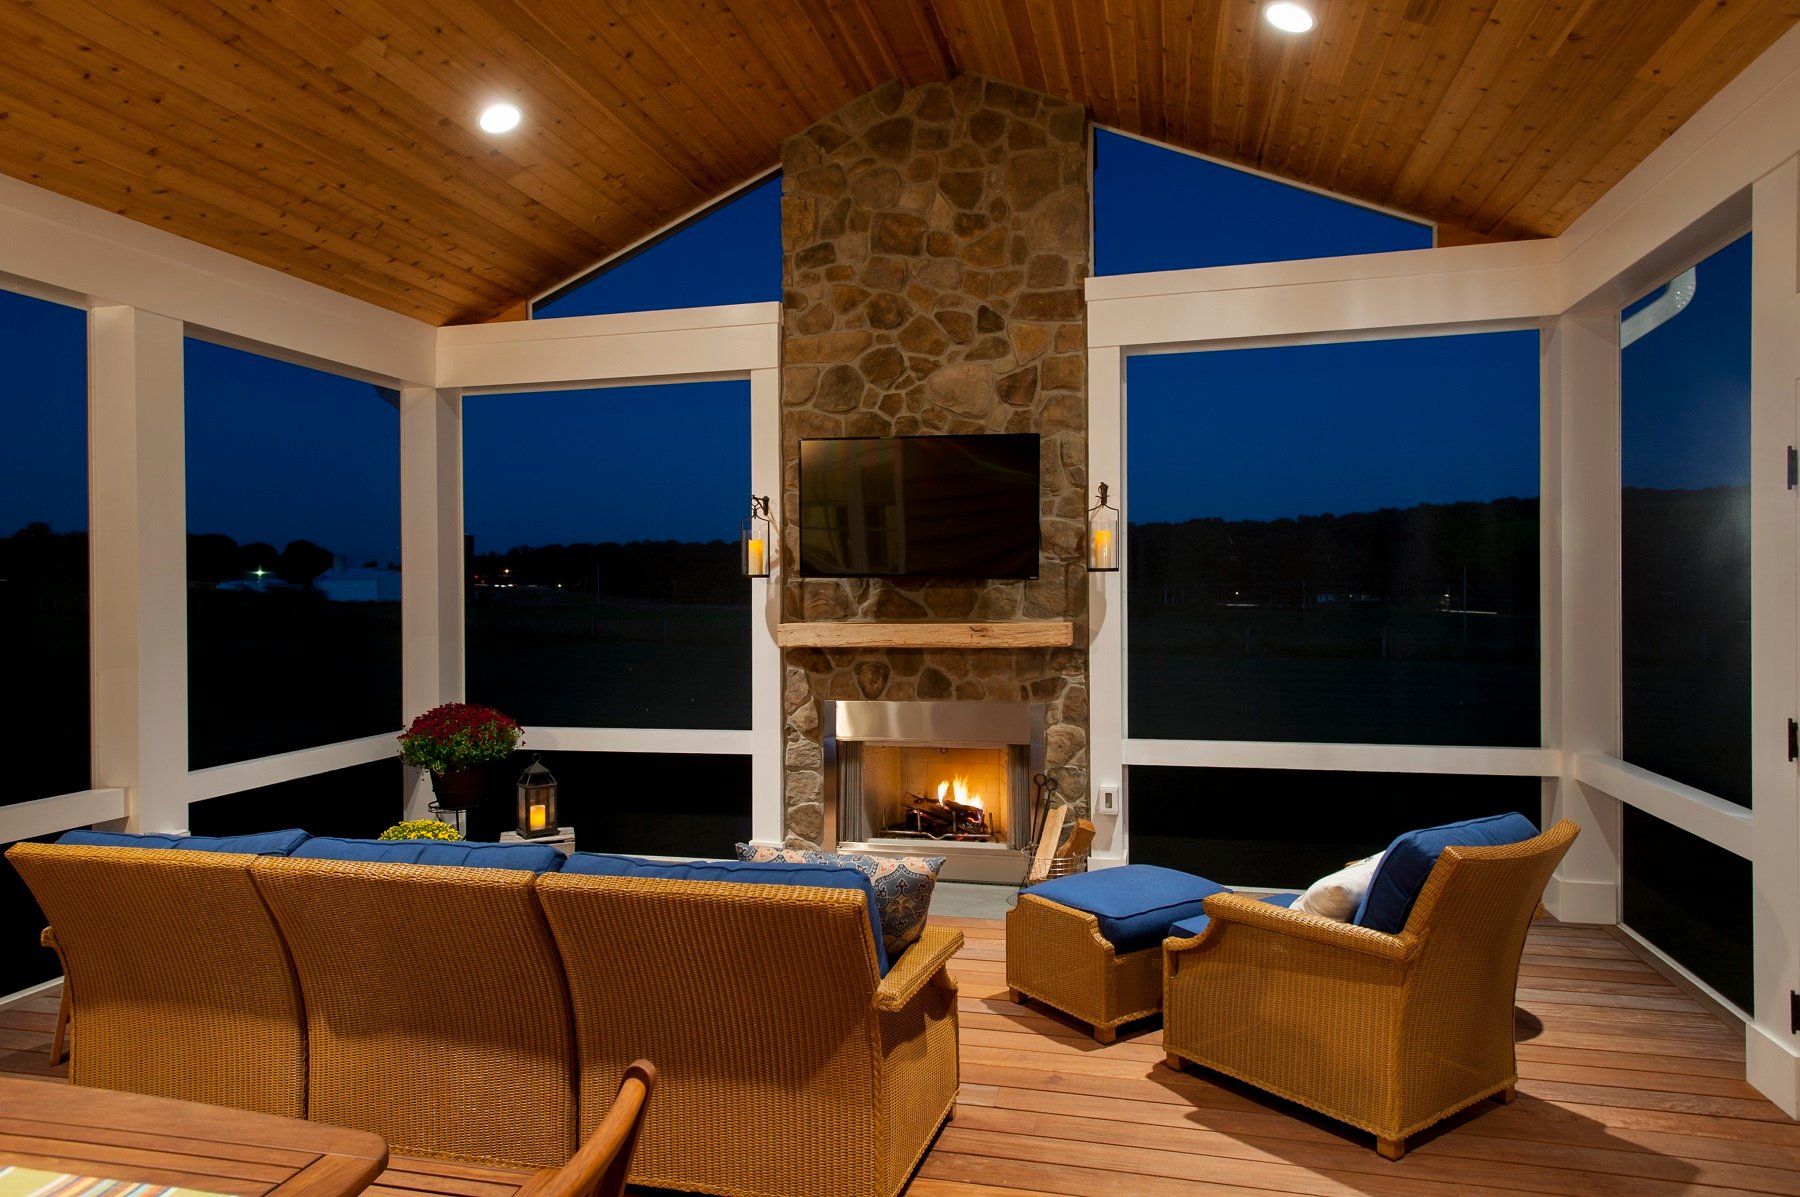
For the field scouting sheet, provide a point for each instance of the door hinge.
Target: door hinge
(1793, 741)
(1793, 467)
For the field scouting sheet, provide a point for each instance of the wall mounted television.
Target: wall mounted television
(919, 506)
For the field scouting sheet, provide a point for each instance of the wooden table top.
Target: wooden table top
(157, 1140)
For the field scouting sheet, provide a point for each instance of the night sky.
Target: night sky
(279, 452)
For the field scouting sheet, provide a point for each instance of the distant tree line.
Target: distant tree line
(1409, 556)
(668, 571)
(36, 554)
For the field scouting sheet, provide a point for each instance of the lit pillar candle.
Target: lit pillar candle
(754, 555)
(1103, 548)
(537, 816)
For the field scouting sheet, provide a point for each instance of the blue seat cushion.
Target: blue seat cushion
(262, 843)
(1396, 884)
(744, 872)
(534, 858)
(1135, 904)
(1188, 928)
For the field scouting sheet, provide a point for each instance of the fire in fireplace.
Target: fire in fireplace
(936, 793)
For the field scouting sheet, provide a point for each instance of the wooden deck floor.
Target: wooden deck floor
(1628, 1088)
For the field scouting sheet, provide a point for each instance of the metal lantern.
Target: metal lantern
(537, 801)
(754, 539)
(1103, 536)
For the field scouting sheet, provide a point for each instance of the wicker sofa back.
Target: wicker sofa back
(436, 1012)
(486, 1014)
(184, 985)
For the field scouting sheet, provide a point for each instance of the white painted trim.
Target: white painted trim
(1248, 305)
(1772, 1064)
(1775, 607)
(47, 816)
(137, 553)
(432, 578)
(1348, 758)
(648, 739)
(1107, 628)
(31, 991)
(1694, 811)
(288, 766)
(767, 747)
(1573, 900)
(686, 345)
(110, 260)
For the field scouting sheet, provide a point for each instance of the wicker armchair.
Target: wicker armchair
(184, 984)
(1389, 1033)
(436, 1015)
(786, 1066)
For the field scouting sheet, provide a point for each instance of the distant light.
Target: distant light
(503, 118)
(1289, 18)
(259, 572)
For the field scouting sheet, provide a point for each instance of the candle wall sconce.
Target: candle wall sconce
(1103, 536)
(754, 539)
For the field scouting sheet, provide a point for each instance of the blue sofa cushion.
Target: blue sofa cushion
(262, 843)
(772, 872)
(1188, 928)
(534, 858)
(1409, 860)
(1135, 904)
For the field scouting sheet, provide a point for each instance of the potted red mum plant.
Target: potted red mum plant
(452, 741)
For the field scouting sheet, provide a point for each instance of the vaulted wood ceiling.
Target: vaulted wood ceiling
(337, 140)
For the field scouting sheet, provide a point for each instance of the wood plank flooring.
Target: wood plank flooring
(1628, 1087)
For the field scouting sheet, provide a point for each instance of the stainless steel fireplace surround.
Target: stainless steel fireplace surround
(1014, 731)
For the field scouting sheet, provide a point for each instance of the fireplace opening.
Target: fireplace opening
(950, 779)
(936, 793)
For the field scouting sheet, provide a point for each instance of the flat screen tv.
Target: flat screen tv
(919, 506)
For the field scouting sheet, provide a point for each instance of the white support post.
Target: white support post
(1581, 550)
(768, 749)
(1772, 1049)
(1106, 611)
(137, 516)
(432, 569)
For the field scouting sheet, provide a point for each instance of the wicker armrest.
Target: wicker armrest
(1247, 911)
(917, 967)
(47, 938)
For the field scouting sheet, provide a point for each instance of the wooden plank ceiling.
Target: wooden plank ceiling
(336, 139)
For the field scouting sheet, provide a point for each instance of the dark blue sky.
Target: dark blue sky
(43, 395)
(278, 452)
(1684, 417)
(609, 464)
(1313, 429)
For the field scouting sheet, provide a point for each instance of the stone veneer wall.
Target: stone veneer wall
(934, 245)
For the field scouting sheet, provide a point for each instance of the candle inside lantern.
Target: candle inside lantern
(538, 814)
(753, 550)
(1103, 548)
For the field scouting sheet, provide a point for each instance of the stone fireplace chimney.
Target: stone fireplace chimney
(935, 242)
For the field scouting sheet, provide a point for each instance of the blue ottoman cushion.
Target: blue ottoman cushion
(1135, 904)
(1409, 859)
(534, 858)
(262, 843)
(744, 872)
(1188, 928)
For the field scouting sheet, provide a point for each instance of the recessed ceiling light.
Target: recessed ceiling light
(1289, 18)
(503, 118)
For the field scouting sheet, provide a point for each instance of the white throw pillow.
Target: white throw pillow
(1337, 895)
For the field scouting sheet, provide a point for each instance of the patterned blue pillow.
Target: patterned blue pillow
(902, 886)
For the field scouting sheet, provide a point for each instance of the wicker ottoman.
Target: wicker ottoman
(1091, 945)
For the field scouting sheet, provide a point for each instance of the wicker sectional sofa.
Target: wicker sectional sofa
(486, 1013)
